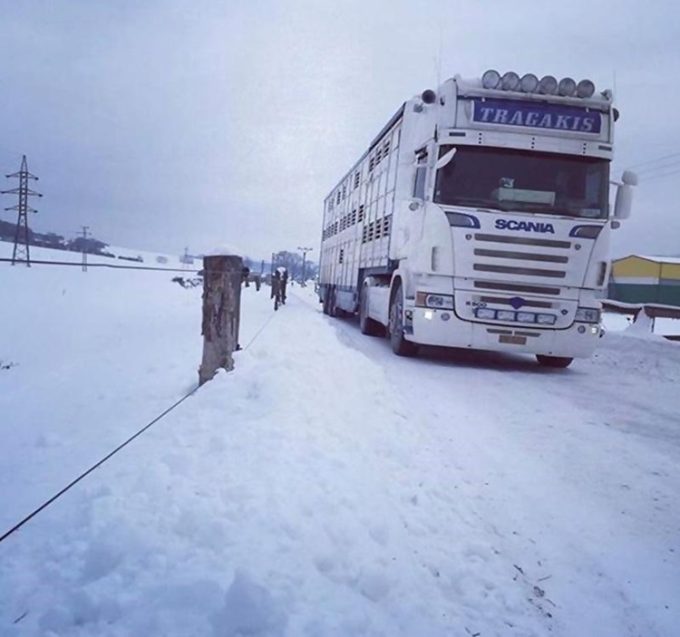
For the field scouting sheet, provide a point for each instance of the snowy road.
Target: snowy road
(573, 475)
(329, 488)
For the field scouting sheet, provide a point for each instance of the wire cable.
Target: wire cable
(114, 266)
(653, 161)
(71, 484)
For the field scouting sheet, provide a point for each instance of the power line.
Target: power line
(304, 263)
(658, 167)
(663, 175)
(654, 161)
(114, 266)
(85, 229)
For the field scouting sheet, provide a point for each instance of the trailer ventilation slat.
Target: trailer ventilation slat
(506, 269)
(523, 256)
(525, 241)
(512, 287)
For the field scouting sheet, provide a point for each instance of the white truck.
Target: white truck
(479, 218)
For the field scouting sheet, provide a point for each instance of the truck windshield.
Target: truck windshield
(524, 181)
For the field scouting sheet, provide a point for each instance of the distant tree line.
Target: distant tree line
(292, 261)
(56, 241)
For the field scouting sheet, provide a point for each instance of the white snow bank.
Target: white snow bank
(325, 487)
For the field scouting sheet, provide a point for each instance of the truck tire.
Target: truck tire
(367, 325)
(330, 306)
(324, 303)
(553, 361)
(400, 346)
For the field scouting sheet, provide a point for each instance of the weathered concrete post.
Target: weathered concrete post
(221, 310)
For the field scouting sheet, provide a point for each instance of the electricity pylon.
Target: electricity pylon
(22, 250)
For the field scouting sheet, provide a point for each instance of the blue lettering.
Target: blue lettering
(546, 121)
(516, 119)
(526, 226)
(485, 113)
(547, 116)
(501, 116)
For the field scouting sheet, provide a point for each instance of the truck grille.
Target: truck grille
(514, 287)
(526, 241)
(523, 256)
(505, 269)
(540, 258)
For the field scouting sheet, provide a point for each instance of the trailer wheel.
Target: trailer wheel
(367, 325)
(330, 306)
(553, 361)
(324, 303)
(400, 346)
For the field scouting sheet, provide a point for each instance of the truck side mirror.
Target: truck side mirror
(629, 178)
(624, 195)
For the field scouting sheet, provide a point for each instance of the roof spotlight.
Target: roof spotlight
(566, 87)
(510, 81)
(585, 88)
(547, 85)
(528, 83)
(491, 79)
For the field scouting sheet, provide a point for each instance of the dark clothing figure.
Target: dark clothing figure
(276, 289)
(258, 282)
(245, 273)
(284, 283)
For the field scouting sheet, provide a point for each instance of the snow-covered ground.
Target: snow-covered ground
(325, 487)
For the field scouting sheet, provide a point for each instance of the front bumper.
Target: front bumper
(444, 328)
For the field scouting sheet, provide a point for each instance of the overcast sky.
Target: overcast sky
(171, 123)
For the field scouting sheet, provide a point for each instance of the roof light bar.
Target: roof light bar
(529, 83)
(585, 88)
(547, 85)
(510, 81)
(566, 87)
(491, 79)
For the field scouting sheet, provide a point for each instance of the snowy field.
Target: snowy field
(325, 487)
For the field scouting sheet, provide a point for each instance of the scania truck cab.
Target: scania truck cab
(479, 217)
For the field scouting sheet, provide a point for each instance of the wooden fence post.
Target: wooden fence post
(221, 313)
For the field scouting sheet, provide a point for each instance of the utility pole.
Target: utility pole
(22, 251)
(85, 229)
(304, 263)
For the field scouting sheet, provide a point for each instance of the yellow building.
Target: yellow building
(645, 279)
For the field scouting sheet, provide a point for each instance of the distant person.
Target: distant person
(276, 289)
(284, 283)
(258, 282)
(245, 274)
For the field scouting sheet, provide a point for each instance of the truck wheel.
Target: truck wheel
(333, 309)
(328, 301)
(400, 346)
(367, 325)
(553, 361)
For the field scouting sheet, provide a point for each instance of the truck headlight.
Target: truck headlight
(505, 315)
(435, 301)
(526, 317)
(546, 319)
(485, 313)
(587, 315)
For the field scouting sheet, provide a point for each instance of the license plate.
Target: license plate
(512, 340)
